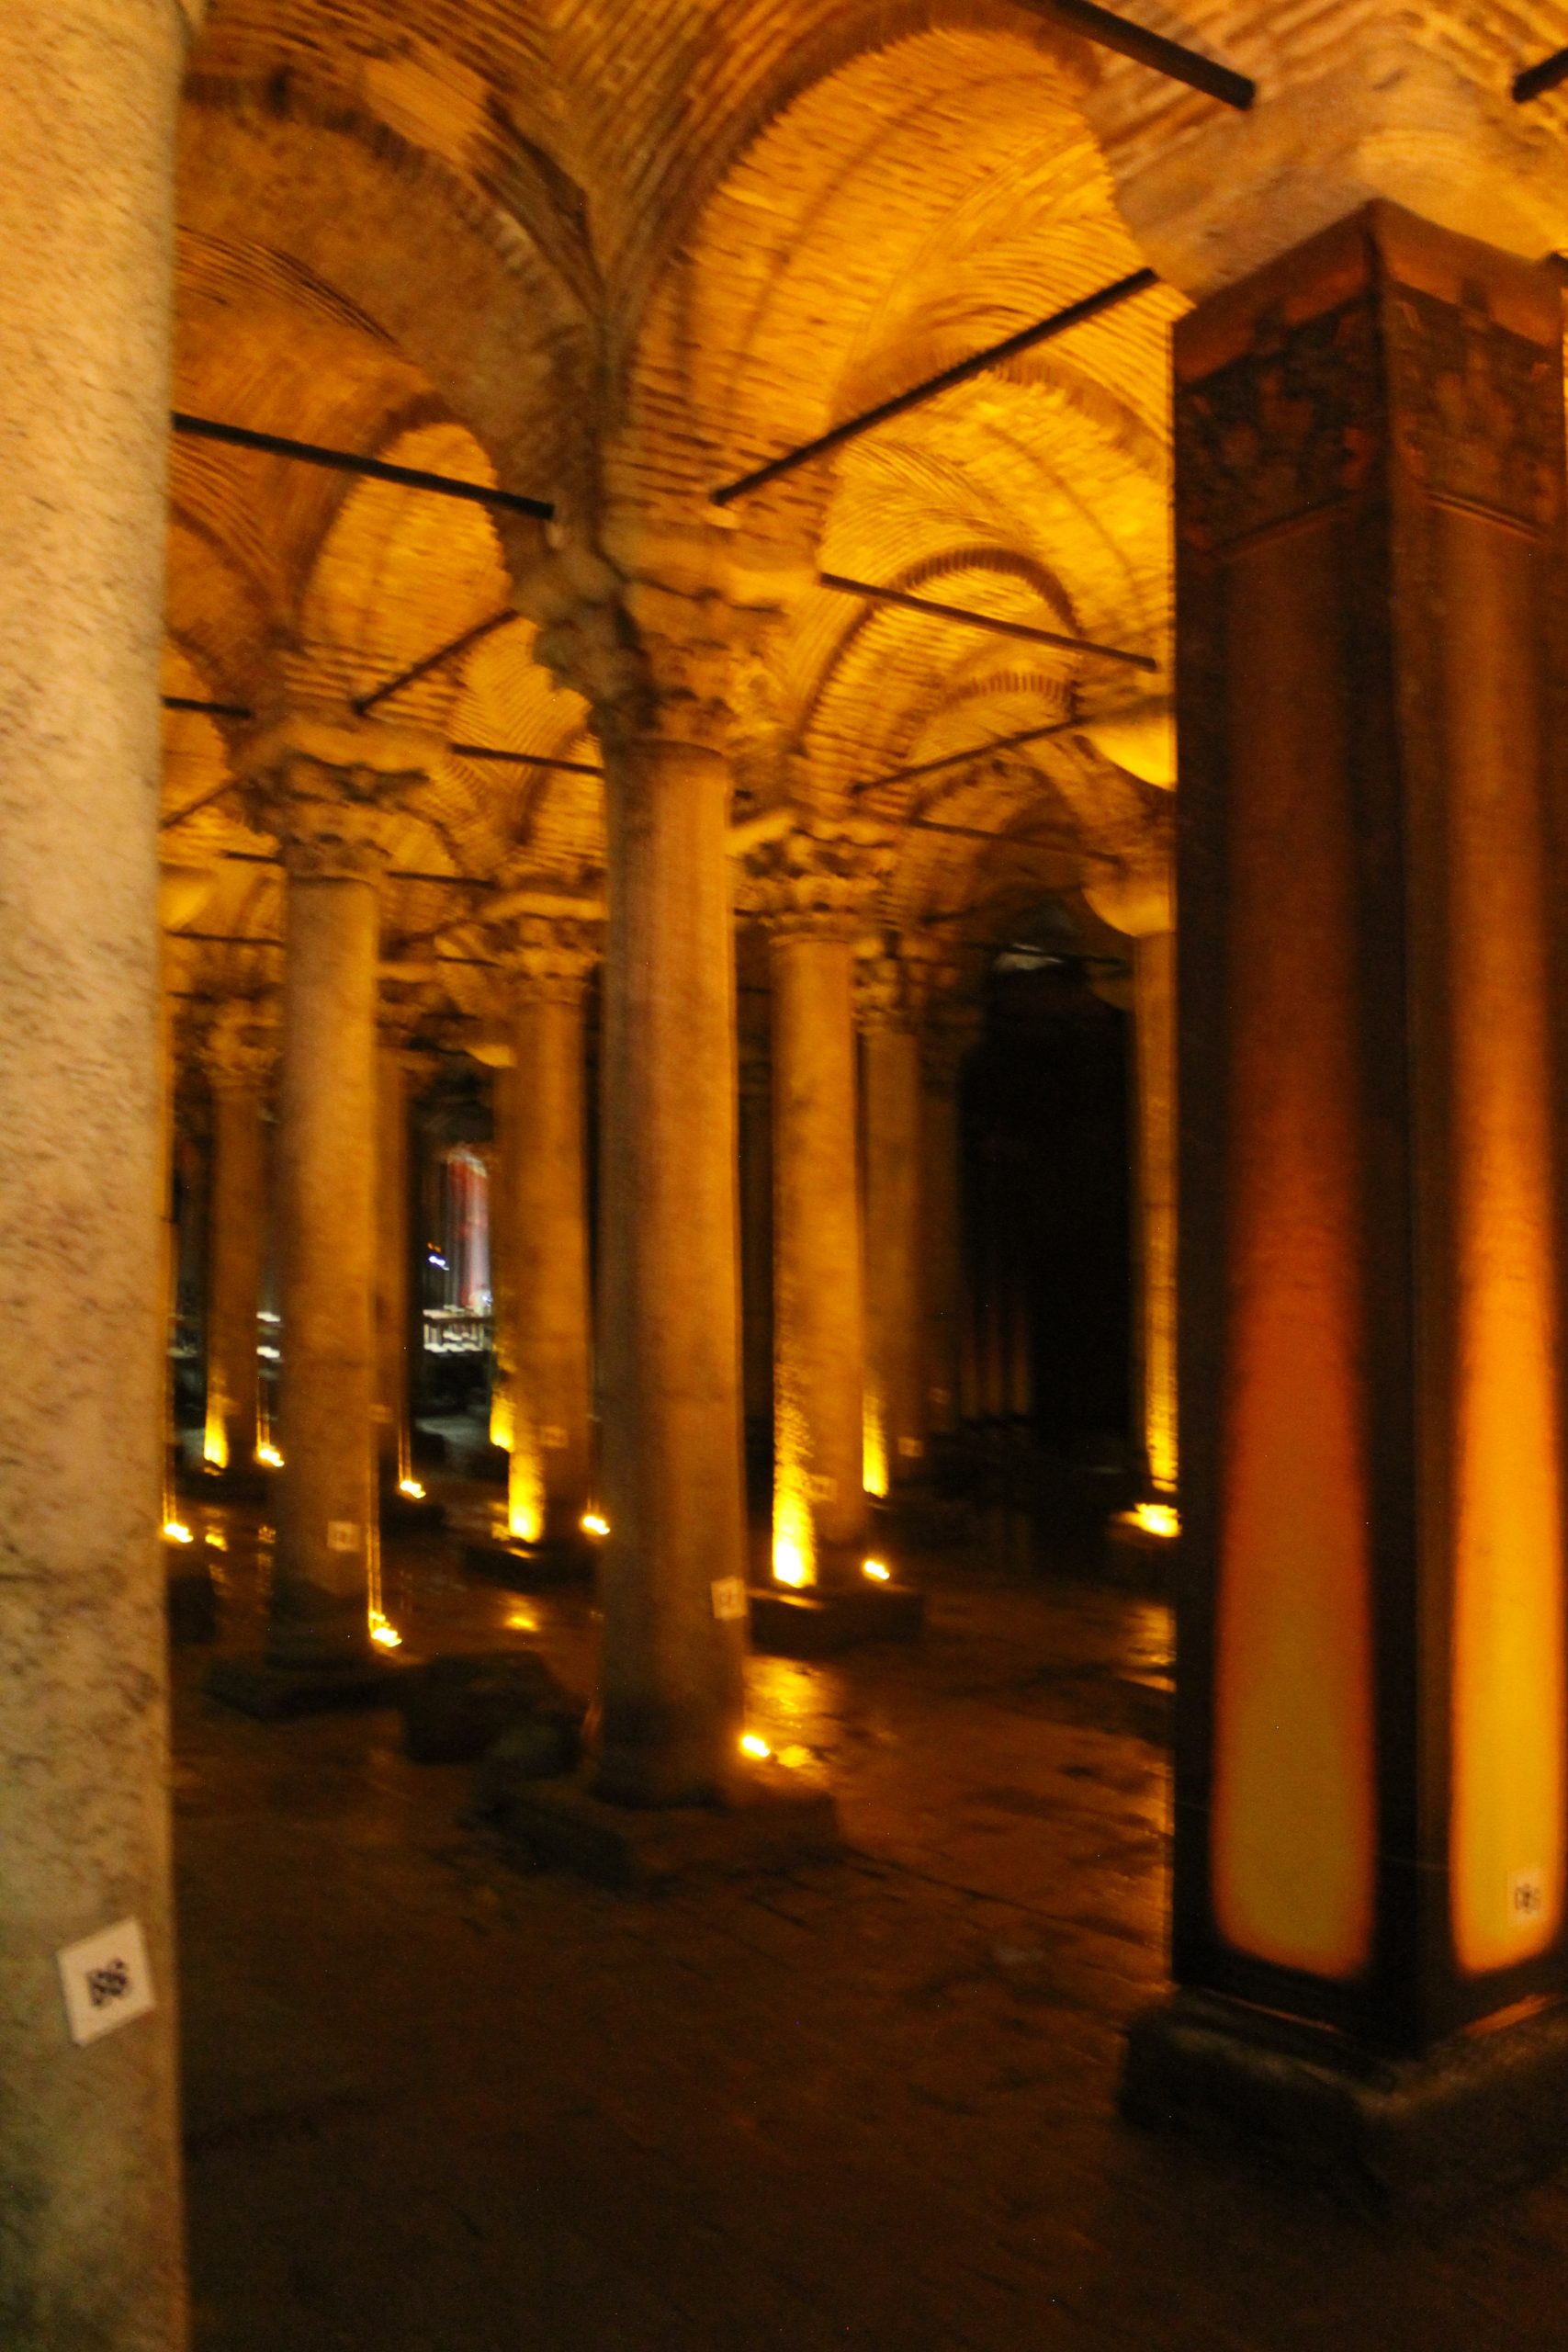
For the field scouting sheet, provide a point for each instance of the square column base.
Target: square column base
(1139, 1560)
(1481, 2113)
(400, 1511)
(768, 1824)
(828, 1619)
(279, 1693)
(530, 1567)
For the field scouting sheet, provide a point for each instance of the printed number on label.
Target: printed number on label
(1527, 1896)
(728, 1598)
(105, 1980)
(343, 1535)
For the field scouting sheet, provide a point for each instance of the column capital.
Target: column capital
(547, 959)
(1138, 899)
(239, 1048)
(819, 881)
(327, 782)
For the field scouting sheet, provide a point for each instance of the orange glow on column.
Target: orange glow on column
(794, 1537)
(1506, 1859)
(215, 1436)
(1294, 1825)
(873, 1445)
(525, 1488)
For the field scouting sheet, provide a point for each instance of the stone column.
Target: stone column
(890, 992)
(324, 784)
(543, 1201)
(393, 1405)
(89, 2155)
(945, 1039)
(239, 1052)
(653, 658)
(1371, 1795)
(812, 889)
(757, 1232)
(502, 1286)
(1139, 903)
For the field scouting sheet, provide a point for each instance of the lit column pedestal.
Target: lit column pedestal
(324, 783)
(1370, 1777)
(239, 1054)
(814, 888)
(542, 1202)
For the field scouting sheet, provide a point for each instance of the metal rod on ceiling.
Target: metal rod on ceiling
(436, 661)
(995, 622)
(1536, 80)
(974, 751)
(394, 873)
(345, 462)
(1178, 64)
(1043, 331)
(208, 710)
(521, 759)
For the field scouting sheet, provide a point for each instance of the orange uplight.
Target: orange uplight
(176, 1532)
(594, 1524)
(752, 1745)
(270, 1456)
(877, 1570)
(411, 1487)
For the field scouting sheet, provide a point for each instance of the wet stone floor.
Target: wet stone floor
(438, 2103)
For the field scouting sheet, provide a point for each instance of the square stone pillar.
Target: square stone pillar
(1371, 1787)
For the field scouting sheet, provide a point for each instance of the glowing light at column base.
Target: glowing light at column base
(1153, 1519)
(752, 1743)
(795, 1537)
(176, 1532)
(877, 1570)
(501, 1421)
(411, 1487)
(269, 1457)
(215, 1440)
(592, 1523)
(386, 1636)
(874, 1449)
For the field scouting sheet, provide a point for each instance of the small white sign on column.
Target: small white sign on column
(106, 1979)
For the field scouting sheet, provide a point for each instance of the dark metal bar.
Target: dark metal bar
(1043, 331)
(191, 809)
(1108, 30)
(345, 461)
(977, 833)
(521, 759)
(442, 654)
(992, 621)
(208, 710)
(226, 939)
(394, 873)
(1536, 80)
(974, 751)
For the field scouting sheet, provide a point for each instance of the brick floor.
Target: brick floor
(439, 2105)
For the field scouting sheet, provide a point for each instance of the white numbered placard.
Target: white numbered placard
(343, 1535)
(728, 1597)
(106, 1979)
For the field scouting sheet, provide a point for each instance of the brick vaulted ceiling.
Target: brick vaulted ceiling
(503, 238)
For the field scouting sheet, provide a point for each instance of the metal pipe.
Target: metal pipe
(521, 759)
(993, 621)
(1178, 64)
(345, 461)
(974, 751)
(1043, 331)
(209, 709)
(442, 654)
(1536, 80)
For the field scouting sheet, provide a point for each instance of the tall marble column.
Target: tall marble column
(811, 888)
(324, 784)
(238, 1052)
(945, 1039)
(89, 2155)
(652, 654)
(1139, 903)
(1371, 1814)
(393, 1412)
(757, 1231)
(544, 1204)
(889, 996)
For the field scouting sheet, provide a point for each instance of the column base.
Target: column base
(827, 1618)
(401, 1512)
(1482, 2113)
(531, 1567)
(768, 1823)
(1138, 1557)
(253, 1686)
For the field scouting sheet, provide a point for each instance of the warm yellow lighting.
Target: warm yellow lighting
(386, 1636)
(754, 1745)
(176, 1532)
(1154, 1519)
(500, 1420)
(874, 1447)
(216, 1543)
(522, 1620)
(412, 1487)
(525, 1492)
(270, 1455)
(789, 1564)
(593, 1525)
(215, 1438)
(878, 1571)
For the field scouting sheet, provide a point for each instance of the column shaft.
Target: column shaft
(895, 1292)
(237, 1241)
(502, 1284)
(1371, 1782)
(943, 1240)
(550, 1483)
(757, 1239)
(819, 1294)
(393, 1400)
(1154, 1016)
(326, 1198)
(89, 2168)
(669, 1290)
